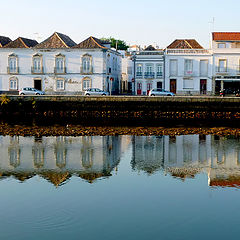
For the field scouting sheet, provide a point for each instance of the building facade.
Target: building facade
(226, 61)
(59, 66)
(188, 68)
(149, 70)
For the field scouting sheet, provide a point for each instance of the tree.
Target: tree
(116, 43)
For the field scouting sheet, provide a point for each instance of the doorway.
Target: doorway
(159, 84)
(38, 84)
(203, 86)
(149, 87)
(139, 88)
(173, 85)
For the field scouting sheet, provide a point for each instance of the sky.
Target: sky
(141, 22)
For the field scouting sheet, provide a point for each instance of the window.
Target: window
(12, 64)
(37, 64)
(13, 84)
(188, 67)
(60, 64)
(86, 64)
(86, 84)
(221, 45)
(149, 68)
(60, 84)
(129, 70)
(203, 67)
(159, 70)
(139, 70)
(173, 67)
(222, 66)
(188, 83)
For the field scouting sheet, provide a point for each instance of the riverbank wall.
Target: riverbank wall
(120, 110)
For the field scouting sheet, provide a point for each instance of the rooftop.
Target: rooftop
(21, 43)
(91, 43)
(57, 40)
(4, 41)
(226, 36)
(184, 44)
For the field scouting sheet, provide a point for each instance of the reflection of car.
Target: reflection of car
(160, 92)
(95, 91)
(30, 91)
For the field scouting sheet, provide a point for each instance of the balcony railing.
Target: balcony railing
(159, 74)
(221, 70)
(149, 75)
(37, 71)
(60, 70)
(13, 70)
(139, 74)
(88, 71)
(187, 51)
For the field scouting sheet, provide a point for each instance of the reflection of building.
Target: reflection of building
(58, 158)
(186, 156)
(147, 153)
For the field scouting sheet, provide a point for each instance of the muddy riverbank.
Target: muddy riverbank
(77, 130)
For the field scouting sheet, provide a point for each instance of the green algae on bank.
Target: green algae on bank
(77, 130)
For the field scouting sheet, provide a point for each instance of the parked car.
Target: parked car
(96, 92)
(160, 92)
(30, 91)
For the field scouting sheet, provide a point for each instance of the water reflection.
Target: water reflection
(58, 158)
(92, 157)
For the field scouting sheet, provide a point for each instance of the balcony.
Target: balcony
(149, 75)
(89, 71)
(139, 74)
(188, 73)
(37, 71)
(188, 51)
(12, 70)
(221, 71)
(159, 74)
(60, 70)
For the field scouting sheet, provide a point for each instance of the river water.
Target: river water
(119, 187)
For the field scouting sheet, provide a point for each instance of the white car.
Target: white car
(95, 92)
(30, 91)
(160, 92)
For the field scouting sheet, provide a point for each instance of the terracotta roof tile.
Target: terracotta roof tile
(4, 41)
(90, 43)
(21, 43)
(57, 40)
(226, 36)
(185, 44)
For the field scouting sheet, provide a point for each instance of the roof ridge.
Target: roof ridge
(61, 39)
(186, 41)
(24, 44)
(96, 42)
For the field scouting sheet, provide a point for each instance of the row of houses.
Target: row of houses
(58, 65)
(186, 68)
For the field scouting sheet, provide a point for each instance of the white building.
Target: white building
(226, 60)
(58, 65)
(149, 65)
(127, 72)
(188, 68)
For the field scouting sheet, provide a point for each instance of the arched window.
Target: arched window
(13, 64)
(60, 64)
(13, 83)
(87, 64)
(86, 83)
